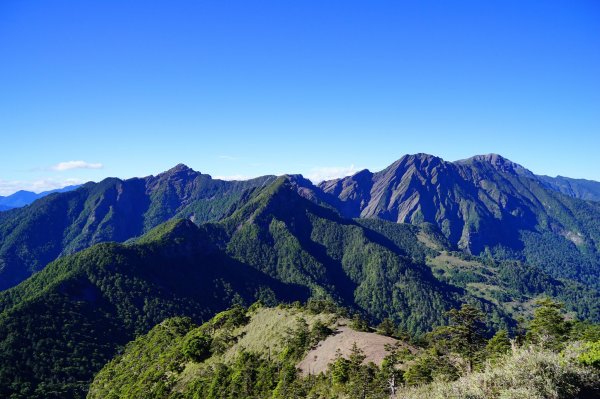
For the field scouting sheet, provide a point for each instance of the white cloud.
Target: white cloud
(233, 177)
(8, 187)
(69, 165)
(318, 174)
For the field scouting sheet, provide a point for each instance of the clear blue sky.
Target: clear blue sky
(314, 87)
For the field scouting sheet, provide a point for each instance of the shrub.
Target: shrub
(234, 317)
(197, 347)
(591, 355)
(527, 373)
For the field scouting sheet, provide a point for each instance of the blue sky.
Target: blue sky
(245, 88)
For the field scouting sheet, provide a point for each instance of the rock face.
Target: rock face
(499, 163)
(465, 199)
(482, 203)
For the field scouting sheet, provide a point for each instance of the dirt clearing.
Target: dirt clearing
(373, 346)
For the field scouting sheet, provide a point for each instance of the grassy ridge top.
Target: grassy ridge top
(158, 364)
(263, 352)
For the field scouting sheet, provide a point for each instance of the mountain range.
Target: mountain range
(485, 203)
(86, 271)
(22, 197)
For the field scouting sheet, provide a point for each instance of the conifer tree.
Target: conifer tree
(549, 327)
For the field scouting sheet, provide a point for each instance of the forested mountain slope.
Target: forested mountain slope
(112, 210)
(61, 325)
(576, 188)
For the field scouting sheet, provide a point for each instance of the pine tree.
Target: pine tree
(386, 327)
(390, 371)
(464, 336)
(498, 345)
(548, 327)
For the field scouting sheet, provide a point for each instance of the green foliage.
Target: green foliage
(464, 336)
(298, 340)
(150, 360)
(316, 306)
(527, 280)
(359, 323)
(247, 374)
(549, 327)
(167, 373)
(530, 372)
(422, 370)
(387, 327)
(590, 355)
(584, 331)
(563, 258)
(229, 319)
(433, 365)
(498, 345)
(61, 326)
(339, 370)
(390, 367)
(197, 347)
(360, 377)
(403, 236)
(319, 332)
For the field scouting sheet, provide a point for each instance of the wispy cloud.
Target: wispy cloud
(8, 187)
(318, 174)
(233, 177)
(70, 165)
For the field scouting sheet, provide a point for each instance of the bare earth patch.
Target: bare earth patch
(373, 346)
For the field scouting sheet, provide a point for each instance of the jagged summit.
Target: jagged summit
(180, 167)
(296, 179)
(180, 170)
(420, 157)
(362, 173)
(420, 161)
(499, 163)
(492, 158)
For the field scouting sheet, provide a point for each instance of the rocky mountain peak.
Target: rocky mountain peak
(499, 163)
(180, 168)
(179, 171)
(424, 163)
